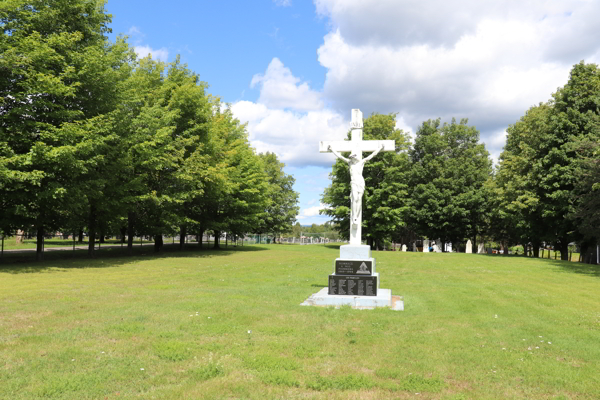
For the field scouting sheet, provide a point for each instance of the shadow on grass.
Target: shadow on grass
(18, 263)
(333, 246)
(565, 266)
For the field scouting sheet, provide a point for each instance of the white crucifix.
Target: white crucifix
(356, 163)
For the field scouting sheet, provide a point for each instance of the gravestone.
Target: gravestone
(355, 281)
(404, 247)
(425, 246)
(469, 248)
(480, 248)
(415, 247)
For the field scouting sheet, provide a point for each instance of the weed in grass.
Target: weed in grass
(400, 381)
(345, 382)
(279, 378)
(266, 362)
(172, 350)
(458, 396)
(208, 371)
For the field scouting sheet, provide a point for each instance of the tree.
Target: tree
(518, 205)
(165, 148)
(282, 207)
(384, 201)
(540, 171)
(449, 169)
(48, 76)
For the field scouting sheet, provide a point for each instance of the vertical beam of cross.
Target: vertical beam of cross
(356, 146)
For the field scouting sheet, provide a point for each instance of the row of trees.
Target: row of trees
(545, 188)
(93, 139)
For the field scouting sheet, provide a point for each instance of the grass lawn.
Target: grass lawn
(228, 325)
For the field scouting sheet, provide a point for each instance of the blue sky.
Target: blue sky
(294, 69)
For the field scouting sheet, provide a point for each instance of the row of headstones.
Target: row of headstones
(437, 249)
(426, 246)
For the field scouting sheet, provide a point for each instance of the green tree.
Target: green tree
(540, 170)
(165, 146)
(49, 68)
(282, 207)
(518, 207)
(447, 180)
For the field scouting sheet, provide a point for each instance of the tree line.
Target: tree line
(94, 139)
(545, 188)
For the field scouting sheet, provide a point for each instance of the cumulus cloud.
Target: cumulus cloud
(293, 136)
(312, 211)
(487, 62)
(283, 3)
(161, 54)
(423, 59)
(280, 89)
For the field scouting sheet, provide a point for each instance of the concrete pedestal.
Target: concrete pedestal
(350, 266)
(384, 298)
(355, 252)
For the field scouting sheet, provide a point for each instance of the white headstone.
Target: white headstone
(404, 247)
(415, 247)
(480, 248)
(425, 246)
(469, 249)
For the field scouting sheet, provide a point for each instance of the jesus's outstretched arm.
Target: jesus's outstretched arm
(373, 154)
(338, 155)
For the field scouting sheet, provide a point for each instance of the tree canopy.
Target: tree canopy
(94, 139)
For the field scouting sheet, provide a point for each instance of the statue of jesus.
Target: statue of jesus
(357, 182)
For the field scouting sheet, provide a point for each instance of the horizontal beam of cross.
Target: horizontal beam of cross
(349, 145)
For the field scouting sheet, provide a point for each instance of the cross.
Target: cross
(356, 146)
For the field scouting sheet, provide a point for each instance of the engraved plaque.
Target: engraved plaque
(351, 285)
(353, 267)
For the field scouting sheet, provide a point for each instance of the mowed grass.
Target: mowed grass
(228, 325)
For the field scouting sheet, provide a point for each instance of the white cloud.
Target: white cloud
(485, 61)
(488, 62)
(134, 31)
(283, 3)
(312, 211)
(161, 54)
(293, 136)
(280, 89)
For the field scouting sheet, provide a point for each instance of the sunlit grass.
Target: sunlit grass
(227, 324)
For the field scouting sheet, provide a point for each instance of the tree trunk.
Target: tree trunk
(39, 248)
(92, 231)
(123, 233)
(158, 242)
(130, 233)
(201, 236)
(536, 249)
(564, 249)
(217, 236)
(370, 242)
(182, 233)
(80, 239)
(101, 236)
